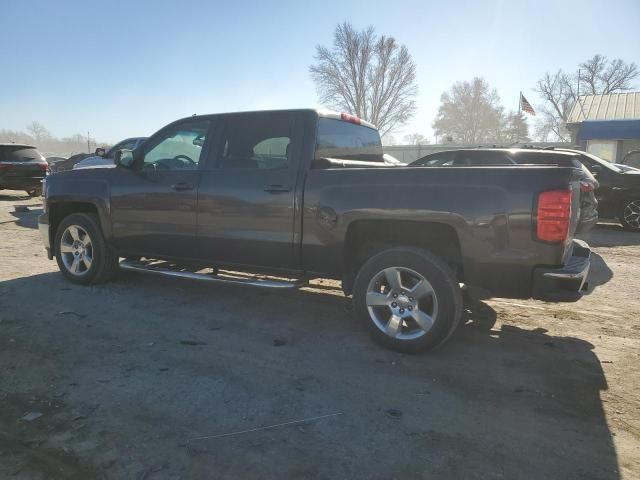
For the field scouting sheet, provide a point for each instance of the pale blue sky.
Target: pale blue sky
(119, 68)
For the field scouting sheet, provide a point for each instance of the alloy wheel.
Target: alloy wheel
(631, 214)
(401, 303)
(76, 250)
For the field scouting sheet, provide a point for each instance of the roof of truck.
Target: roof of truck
(507, 149)
(324, 113)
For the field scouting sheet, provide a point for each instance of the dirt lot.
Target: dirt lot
(128, 377)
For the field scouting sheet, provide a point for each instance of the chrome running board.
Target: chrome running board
(229, 278)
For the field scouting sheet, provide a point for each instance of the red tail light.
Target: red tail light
(4, 167)
(554, 215)
(347, 117)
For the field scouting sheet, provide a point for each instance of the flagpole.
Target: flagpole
(519, 103)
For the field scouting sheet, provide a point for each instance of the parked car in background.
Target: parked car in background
(103, 158)
(303, 194)
(632, 159)
(59, 164)
(619, 191)
(470, 157)
(22, 167)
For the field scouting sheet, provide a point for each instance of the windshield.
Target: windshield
(594, 160)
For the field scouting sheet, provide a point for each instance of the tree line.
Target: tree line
(373, 77)
(38, 135)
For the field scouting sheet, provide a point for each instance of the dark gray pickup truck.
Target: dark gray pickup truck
(299, 194)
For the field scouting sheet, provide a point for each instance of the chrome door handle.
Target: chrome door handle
(181, 186)
(277, 189)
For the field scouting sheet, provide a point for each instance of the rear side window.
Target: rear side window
(480, 158)
(347, 141)
(544, 159)
(435, 160)
(20, 155)
(255, 141)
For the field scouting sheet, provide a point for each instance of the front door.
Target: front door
(153, 204)
(247, 198)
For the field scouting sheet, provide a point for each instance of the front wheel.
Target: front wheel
(409, 299)
(83, 255)
(630, 216)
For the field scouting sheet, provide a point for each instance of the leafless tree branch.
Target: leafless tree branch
(368, 75)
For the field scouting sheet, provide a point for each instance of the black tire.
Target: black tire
(35, 192)
(444, 285)
(104, 264)
(630, 215)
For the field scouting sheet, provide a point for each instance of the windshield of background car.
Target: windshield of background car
(591, 160)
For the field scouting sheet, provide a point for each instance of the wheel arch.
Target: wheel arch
(59, 210)
(365, 238)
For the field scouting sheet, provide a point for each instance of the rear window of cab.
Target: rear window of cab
(349, 141)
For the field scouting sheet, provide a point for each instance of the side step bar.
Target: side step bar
(227, 278)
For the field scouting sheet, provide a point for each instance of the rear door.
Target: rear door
(153, 205)
(247, 195)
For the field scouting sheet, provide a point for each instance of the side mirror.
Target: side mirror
(100, 152)
(123, 158)
(595, 169)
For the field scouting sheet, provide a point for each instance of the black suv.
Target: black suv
(475, 157)
(22, 167)
(619, 192)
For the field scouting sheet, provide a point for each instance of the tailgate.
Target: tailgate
(576, 203)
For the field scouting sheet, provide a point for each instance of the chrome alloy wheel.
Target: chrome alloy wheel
(76, 250)
(401, 303)
(631, 214)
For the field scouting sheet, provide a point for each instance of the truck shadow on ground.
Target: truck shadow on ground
(599, 273)
(28, 219)
(499, 400)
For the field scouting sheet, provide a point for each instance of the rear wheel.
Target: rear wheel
(630, 216)
(409, 299)
(83, 255)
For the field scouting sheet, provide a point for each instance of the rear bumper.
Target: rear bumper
(43, 228)
(567, 282)
(20, 183)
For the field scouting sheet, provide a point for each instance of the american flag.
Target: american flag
(526, 106)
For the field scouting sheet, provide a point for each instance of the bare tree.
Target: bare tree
(416, 139)
(367, 75)
(38, 131)
(559, 91)
(470, 112)
(601, 76)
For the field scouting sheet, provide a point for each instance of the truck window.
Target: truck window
(255, 141)
(178, 148)
(348, 141)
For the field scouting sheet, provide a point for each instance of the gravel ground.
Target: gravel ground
(143, 377)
